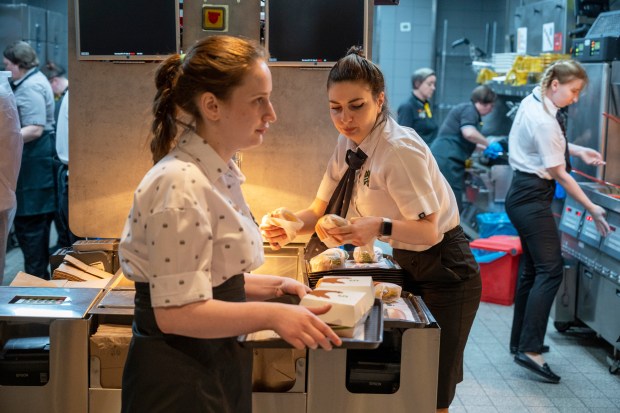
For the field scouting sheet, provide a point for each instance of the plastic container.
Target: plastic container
(494, 223)
(498, 257)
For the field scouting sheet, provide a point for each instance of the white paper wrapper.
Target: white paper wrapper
(367, 253)
(326, 222)
(286, 220)
(330, 259)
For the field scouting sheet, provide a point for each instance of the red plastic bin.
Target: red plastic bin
(499, 277)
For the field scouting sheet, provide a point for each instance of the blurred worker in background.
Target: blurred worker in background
(539, 155)
(57, 77)
(36, 185)
(458, 137)
(416, 112)
(66, 238)
(10, 159)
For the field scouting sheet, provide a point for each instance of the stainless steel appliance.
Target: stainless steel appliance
(60, 315)
(594, 120)
(594, 293)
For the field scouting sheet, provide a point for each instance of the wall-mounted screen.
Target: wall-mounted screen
(126, 29)
(314, 32)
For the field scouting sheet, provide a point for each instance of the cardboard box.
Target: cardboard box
(110, 345)
(348, 307)
(353, 283)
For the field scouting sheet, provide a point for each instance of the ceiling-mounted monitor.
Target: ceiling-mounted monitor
(316, 32)
(123, 30)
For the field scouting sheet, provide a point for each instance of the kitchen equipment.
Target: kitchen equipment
(29, 318)
(594, 293)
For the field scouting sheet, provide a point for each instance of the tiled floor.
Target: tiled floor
(494, 383)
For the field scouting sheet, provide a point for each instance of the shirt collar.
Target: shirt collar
(547, 102)
(206, 157)
(369, 144)
(25, 76)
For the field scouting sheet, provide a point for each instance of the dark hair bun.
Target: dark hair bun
(358, 50)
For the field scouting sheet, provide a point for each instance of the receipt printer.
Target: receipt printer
(24, 361)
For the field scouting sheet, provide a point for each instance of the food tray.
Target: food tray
(373, 334)
(394, 274)
(417, 317)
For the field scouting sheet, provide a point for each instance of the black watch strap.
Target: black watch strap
(385, 230)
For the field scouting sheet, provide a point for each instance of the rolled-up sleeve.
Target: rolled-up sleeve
(550, 144)
(31, 106)
(180, 253)
(410, 183)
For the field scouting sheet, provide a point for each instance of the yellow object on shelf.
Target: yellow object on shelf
(485, 75)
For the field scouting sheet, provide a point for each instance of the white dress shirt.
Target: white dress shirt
(399, 180)
(189, 228)
(536, 141)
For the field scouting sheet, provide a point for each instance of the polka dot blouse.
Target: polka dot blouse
(189, 228)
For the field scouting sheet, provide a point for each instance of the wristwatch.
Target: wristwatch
(385, 229)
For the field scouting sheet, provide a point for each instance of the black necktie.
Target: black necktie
(560, 115)
(339, 202)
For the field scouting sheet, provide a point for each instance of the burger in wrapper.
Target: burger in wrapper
(326, 222)
(286, 220)
(367, 254)
(387, 292)
(329, 259)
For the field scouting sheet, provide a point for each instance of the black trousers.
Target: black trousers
(33, 235)
(66, 238)
(447, 278)
(528, 205)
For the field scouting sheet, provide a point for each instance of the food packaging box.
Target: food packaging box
(348, 307)
(356, 332)
(110, 345)
(363, 284)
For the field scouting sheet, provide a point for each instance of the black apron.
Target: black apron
(36, 184)
(170, 373)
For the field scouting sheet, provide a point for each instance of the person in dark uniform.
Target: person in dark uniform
(57, 77)
(416, 112)
(190, 240)
(458, 137)
(539, 155)
(36, 185)
(398, 195)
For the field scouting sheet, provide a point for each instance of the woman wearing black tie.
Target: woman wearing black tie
(539, 155)
(399, 195)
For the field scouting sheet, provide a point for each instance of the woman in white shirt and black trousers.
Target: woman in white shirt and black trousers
(539, 155)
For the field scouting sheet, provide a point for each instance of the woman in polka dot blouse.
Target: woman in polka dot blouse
(190, 240)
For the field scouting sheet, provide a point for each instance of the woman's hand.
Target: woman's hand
(273, 235)
(590, 156)
(291, 286)
(300, 327)
(598, 214)
(361, 231)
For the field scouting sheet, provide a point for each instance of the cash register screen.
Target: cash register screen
(126, 29)
(314, 33)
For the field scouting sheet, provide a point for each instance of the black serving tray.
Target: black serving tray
(421, 316)
(373, 334)
(394, 274)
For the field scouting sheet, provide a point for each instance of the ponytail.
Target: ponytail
(164, 127)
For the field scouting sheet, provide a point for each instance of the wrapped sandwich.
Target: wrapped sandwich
(329, 259)
(367, 254)
(387, 292)
(326, 222)
(286, 220)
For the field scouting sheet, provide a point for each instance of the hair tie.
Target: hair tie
(182, 56)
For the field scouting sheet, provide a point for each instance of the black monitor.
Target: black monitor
(126, 29)
(314, 32)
